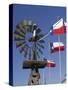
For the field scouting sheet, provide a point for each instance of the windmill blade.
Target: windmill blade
(19, 43)
(24, 48)
(26, 28)
(25, 25)
(38, 31)
(34, 26)
(18, 36)
(30, 51)
(22, 30)
(19, 33)
(39, 50)
(40, 45)
(30, 24)
(18, 39)
(38, 54)
(40, 36)
(41, 41)
(21, 49)
(26, 52)
(30, 28)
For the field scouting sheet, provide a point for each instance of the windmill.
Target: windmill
(28, 40)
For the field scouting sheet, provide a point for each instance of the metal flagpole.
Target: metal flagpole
(49, 66)
(59, 60)
(49, 74)
(42, 75)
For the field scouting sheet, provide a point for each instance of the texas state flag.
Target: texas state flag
(56, 46)
(59, 27)
(50, 63)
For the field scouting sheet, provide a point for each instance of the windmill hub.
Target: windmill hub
(34, 39)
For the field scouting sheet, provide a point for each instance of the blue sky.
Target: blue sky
(44, 17)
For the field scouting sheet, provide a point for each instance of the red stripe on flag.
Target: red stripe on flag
(56, 49)
(51, 65)
(59, 31)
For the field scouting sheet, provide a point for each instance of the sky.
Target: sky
(44, 17)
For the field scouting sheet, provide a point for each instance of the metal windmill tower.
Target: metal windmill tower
(27, 35)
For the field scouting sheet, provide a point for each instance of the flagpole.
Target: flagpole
(59, 60)
(42, 75)
(49, 73)
(49, 66)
